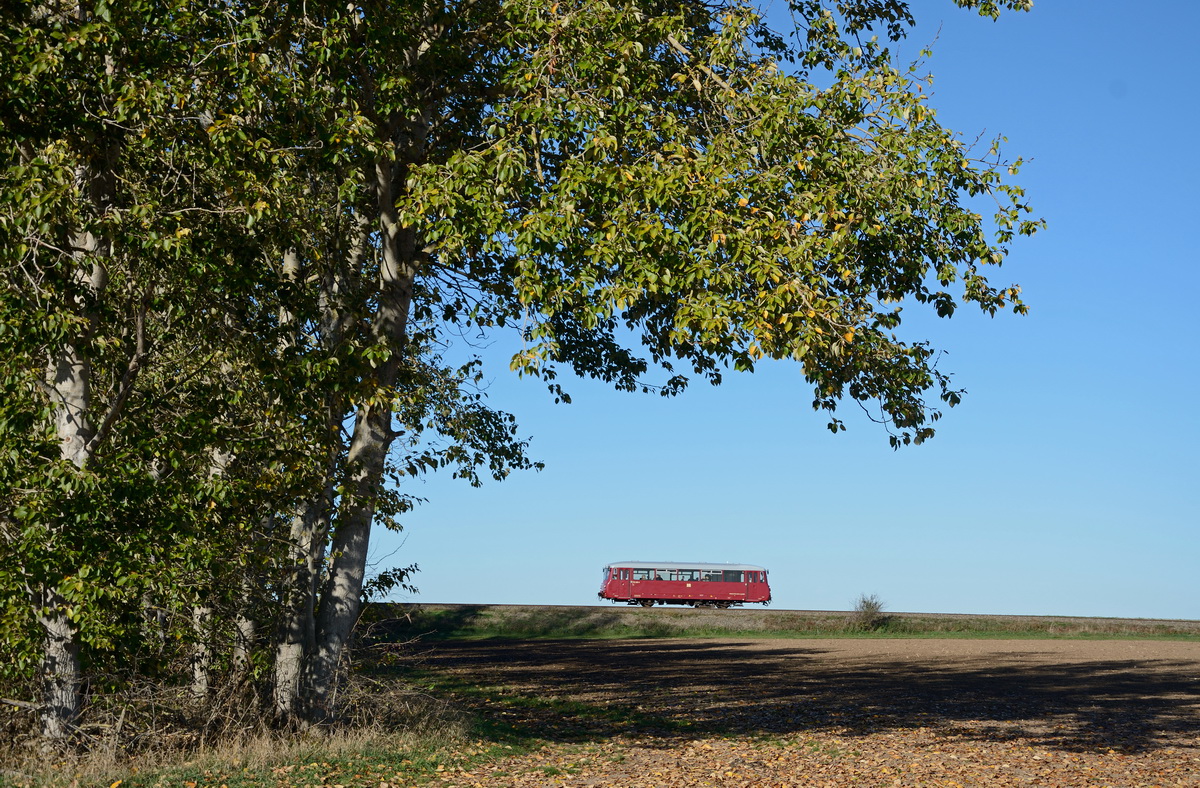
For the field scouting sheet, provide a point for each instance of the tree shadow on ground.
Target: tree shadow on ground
(585, 690)
(385, 622)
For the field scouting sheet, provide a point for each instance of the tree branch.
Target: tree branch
(20, 704)
(127, 381)
(681, 49)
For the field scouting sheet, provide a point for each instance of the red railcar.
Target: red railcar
(648, 583)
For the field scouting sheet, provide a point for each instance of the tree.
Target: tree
(635, 186)
(649, 193)
(120, 245)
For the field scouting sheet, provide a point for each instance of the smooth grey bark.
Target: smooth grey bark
(201, 652)
(296, 635)
(202, 614)
(341, 598)
(309, 530)
(244, 633)
(68, 384)
(308, 535)
(69, 388)
(61, 673)
(62, 676)
(245, 627)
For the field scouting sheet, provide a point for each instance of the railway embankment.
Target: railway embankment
(390, 621)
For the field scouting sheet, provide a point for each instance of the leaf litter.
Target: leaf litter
(831, 713)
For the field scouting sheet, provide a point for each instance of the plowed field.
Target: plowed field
(844, 712)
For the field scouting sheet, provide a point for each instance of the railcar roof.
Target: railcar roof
(683, 565)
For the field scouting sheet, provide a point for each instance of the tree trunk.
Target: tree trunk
(297, 636)
(69, 384)
(341, 599)
(201, 652)
(61, 675)
(245, 628)
(69, 380)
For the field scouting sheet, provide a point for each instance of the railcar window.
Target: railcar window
(732, 576)
(714, 577)
(642, 574)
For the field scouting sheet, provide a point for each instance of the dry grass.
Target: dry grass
(162, 738)
(261, 753)
(619, 621)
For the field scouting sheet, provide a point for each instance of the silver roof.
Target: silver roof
(678, 565)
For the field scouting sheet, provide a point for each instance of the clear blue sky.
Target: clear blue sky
(1066, 482)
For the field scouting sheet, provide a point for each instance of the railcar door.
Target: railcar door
(620, 583)
(611, 586)
(640, 584)
(757, 589)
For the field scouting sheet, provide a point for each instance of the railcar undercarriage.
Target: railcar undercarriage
(716, 603)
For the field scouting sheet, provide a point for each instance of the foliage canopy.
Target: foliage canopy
(238, 238)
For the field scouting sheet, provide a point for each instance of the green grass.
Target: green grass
(508, 716)
(446, 622)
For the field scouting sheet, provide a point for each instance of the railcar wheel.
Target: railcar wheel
(647, 603)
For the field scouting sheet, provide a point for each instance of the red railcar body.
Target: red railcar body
(648, 583)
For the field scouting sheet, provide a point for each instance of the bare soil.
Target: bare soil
(843, 712)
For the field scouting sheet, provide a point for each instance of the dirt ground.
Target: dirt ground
(846, 712)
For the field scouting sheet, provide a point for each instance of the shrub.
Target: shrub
(868, 613)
